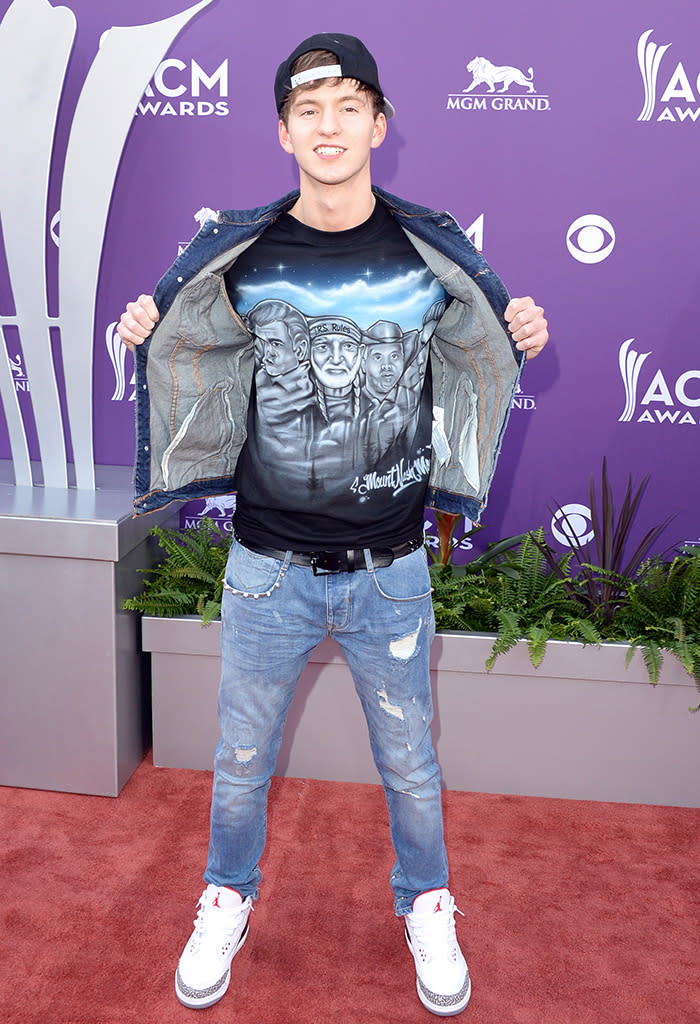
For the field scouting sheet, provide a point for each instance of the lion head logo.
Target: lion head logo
(485, 73)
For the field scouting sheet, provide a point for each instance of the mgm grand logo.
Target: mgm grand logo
(498, 87)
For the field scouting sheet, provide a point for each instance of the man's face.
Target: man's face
(383, 365)
(335, 359)
(331, 132)
(278, 355)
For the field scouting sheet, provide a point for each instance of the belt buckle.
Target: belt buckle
(325, 563)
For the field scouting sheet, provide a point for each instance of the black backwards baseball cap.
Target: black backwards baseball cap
(354, 61)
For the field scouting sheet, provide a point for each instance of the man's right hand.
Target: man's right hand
(137, 321)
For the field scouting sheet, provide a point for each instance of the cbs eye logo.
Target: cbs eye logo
(591, 238)
(571, 525)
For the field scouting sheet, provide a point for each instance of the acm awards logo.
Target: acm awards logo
(181, 90)
(498, 87)
(665, 398)
(678, 92)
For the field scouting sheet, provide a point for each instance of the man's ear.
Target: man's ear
(379, 133)
(283, 134)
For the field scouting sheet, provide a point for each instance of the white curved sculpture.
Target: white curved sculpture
(36, 40)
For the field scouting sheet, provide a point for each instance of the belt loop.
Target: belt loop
(368, 559)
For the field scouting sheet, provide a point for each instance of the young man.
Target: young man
(328, 530)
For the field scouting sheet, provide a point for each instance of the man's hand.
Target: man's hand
(527, 325)
(137, 321)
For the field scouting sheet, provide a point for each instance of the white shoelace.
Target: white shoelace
(215, 924)
(434, 933)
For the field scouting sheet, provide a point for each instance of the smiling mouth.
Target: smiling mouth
(329, 150)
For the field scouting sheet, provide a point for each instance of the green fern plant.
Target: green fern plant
(516, 589)
(463, 595)
(535, 603)
(190, 579)
(512, 591)
(661, 613)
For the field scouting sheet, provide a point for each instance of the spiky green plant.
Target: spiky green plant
(600, 584)
(189, 580)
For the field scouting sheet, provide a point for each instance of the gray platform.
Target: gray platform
(75, 684)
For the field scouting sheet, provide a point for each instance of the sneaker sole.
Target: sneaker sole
(438, 1009)
(434, 1001)
(196, 999)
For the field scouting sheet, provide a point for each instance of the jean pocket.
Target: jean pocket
(249, 574)
(406, 579)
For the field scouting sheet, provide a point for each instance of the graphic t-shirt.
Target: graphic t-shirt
(340, 419)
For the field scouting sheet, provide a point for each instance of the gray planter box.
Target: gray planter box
(75, 714)
(580, 726)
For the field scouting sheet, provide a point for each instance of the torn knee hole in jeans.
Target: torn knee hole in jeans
(244, 755)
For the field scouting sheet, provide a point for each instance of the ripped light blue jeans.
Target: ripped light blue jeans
(274, 614)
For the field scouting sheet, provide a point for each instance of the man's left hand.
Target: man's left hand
(527, 324)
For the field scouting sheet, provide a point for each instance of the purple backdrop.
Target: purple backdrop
(578, 186)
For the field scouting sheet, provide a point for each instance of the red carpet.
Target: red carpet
(576, 913)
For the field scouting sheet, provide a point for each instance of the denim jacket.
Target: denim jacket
(194, 373)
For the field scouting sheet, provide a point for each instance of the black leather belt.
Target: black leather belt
(323, 562)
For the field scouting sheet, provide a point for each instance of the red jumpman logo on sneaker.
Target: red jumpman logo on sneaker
(216, 901)
(437, 910)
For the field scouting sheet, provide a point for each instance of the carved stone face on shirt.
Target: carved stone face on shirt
(383, 365)
(279, 355)
(335, 359)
